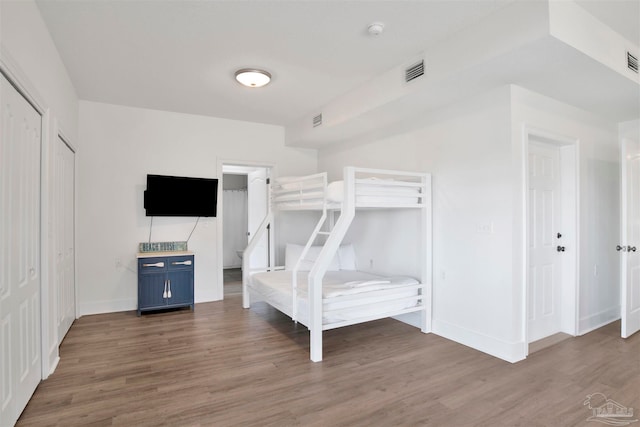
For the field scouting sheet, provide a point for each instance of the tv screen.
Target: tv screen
(180, 196)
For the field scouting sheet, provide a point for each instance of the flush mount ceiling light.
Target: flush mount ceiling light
(375, 28)
(253, 77)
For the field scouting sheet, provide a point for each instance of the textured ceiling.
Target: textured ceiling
(181, 55)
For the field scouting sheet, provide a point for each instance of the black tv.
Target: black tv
(180, 196)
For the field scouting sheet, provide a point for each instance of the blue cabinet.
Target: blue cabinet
(165, 282)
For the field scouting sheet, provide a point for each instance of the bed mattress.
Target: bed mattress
(370, 192)
(375, 193)
(347, 295)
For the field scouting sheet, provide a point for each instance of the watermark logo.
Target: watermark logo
(608, 411)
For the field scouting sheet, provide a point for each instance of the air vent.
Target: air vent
(317, 120)
(414, 71)
(632, 62)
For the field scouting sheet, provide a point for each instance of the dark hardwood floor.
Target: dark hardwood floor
(222, 365)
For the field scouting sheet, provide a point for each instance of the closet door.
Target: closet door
(64, 237)
(20, 342)
(630, 249)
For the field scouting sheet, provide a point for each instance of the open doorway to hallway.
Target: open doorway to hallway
(235, 228)
(244, 204)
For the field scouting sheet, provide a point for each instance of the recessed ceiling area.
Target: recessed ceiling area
(182, 55)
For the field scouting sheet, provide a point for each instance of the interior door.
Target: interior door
(20, 341)
(545, 274)
(258, 194)
(64, 236)
(630, 247)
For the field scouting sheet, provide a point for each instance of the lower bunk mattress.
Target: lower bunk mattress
(347, 295)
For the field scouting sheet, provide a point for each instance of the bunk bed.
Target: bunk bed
(313, 288)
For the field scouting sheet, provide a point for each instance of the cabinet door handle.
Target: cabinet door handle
(169, 291)
(188, 262)
(164, 292)
(157, 264)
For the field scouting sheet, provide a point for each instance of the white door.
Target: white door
(258, 196)
(64, 205)
(630, 247)
(20, 343)
(544, 282)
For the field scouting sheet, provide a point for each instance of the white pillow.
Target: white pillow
(293, 252)
(347, 257)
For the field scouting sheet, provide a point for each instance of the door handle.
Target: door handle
(631, 248)
(560, 248)
(169, 291)
(164, 292)
(157, 264)
(621, 248)
(188, 262)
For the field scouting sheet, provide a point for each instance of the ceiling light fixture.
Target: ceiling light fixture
(375, 28)
(252, 77)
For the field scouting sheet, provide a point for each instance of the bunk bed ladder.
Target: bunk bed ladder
(317, 231)
(328, 251)
(263, 228)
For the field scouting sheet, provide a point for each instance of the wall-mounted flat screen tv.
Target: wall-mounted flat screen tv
(180, 196)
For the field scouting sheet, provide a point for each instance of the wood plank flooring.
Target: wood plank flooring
(222, 365)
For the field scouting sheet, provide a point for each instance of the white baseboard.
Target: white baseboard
(505, 350)
(114, 306)
(54, 365)
(590, 323)
(111, 306)
(208, 296)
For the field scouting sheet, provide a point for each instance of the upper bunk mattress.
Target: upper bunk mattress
(376, 191)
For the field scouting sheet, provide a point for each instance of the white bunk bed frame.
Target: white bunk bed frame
(310, 193)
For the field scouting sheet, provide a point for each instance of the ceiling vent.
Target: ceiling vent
(317, 120)
(632, 62)
(413, 72)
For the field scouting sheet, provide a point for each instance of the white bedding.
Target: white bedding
(376, 192)
(275, 287)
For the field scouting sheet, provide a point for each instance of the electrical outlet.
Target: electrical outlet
(484, 228)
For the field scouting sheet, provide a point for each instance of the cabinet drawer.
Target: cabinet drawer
(180, 262)
(152, 265)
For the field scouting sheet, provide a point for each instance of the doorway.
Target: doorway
(64, 232)
(551, 248)
(235, 228)
(20, 251)
(245, 203)
(629, 246)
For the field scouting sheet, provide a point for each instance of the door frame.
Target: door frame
(9, 68)
(624, 222)
(569, 150)
(222, 163)
(63, 138)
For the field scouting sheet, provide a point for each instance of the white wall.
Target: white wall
(472, 150)
(629, 129)
(26, 41)
(120, 146)
(467, 149)
(599, 170)
(29, 57)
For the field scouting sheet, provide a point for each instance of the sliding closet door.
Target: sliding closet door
(64, 206)
(20, 143)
